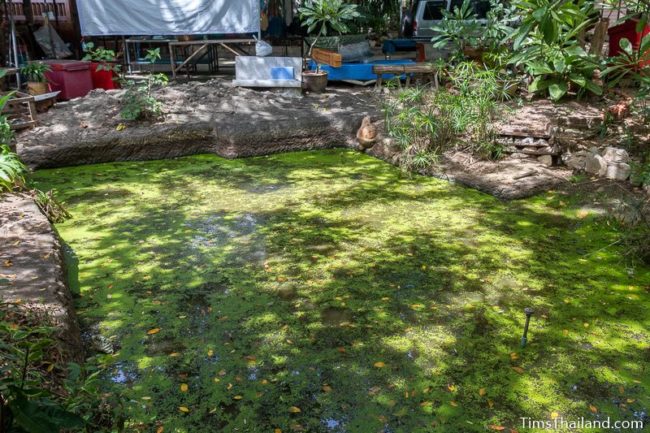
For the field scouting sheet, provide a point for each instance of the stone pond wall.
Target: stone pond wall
(32, 268)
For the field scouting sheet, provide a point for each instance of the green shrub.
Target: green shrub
(138, 100)
(425, 123)
(547, 46)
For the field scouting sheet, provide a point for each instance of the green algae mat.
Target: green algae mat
(328, 292)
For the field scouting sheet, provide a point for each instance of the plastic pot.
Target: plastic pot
(103, 79)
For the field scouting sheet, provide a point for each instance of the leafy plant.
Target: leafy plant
(12, 170)
(460, 28)
(319, 15)
(26, 366)
(139, 101)
(6, 133)
(35, 71)
(425, 123)
(547, 46)
(105, 58)
(630, 63)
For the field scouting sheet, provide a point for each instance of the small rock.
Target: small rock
(547, 160)
(615, 154)
(593, 150)
(577, 160)
(618, 171)
(596, 164)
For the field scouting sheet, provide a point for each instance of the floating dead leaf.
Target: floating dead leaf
(237, 397)
(222, 373)
(229, 387)
(497, 427)
(153, 331)
(210, 352)
(379, 364)
(514, 356)
(121, 127)
(50, 368)
(8, 263)
(481, 392)
(490, 404)
(593, 408)
(145, 398)
(426, 403)
(565, 332)
(630, 400)
(374, 390)
(327, 388)
(277, 430)
(184, 409)
(160, 429)
(453, 403)
(451, 387)
(341, 349)
(586, 325)
(184, 387)
(250, 358)
(519, 370)
(294, 409)
(281, 279)
(554, 415)
(216, 380)
(265, 382)
(621, 389)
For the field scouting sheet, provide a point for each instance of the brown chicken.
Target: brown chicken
(367, 133)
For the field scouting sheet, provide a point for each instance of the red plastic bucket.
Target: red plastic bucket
(103, 79)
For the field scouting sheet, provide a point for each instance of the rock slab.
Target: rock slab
(32, 268)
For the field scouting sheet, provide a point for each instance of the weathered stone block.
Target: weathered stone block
(615, 154)
(596, 164)
(618, 171)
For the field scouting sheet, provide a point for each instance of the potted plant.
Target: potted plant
(319, 16)
(36, 81)
(103, 69)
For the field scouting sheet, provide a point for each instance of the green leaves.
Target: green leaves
(40, 416)
(12, 170)
(322, 14)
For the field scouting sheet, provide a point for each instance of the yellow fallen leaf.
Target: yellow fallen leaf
(593, 408)
(210, 352)
(453, 403)
(294, 409)
(222, 373)
(379, 364)
(229, 387)
(50, 368)
(327, 388)
(146, 398)
(481, 392)
(518, 370)
(160, 429)
(631, 400)
(621, 389)
(554, 415)
(490, 404)
(452, 388)
(153, 331)
(174, 354)
(341, 349)
(497, 427)
(514, 356)
(586, 325)
(184, 387)
(565, 332)
(184, 409)
(277, 430)
(121, 127)
(265, 382)
(216, 380)
(237, 397)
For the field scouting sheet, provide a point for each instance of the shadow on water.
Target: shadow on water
(327, 293)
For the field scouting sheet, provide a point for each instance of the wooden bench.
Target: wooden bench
(425, 70)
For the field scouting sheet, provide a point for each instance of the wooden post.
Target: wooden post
(598, 39)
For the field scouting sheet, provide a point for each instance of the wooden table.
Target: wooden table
(232, 45)
(423, 69)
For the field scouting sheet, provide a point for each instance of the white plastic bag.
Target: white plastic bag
(263, 49)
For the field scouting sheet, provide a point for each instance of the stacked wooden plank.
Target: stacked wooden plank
(532, 141)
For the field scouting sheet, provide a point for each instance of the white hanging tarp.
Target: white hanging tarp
(168, 17)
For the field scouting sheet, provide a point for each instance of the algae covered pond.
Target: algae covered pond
(328, 292)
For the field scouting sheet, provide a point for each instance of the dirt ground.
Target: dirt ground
(216, 117)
